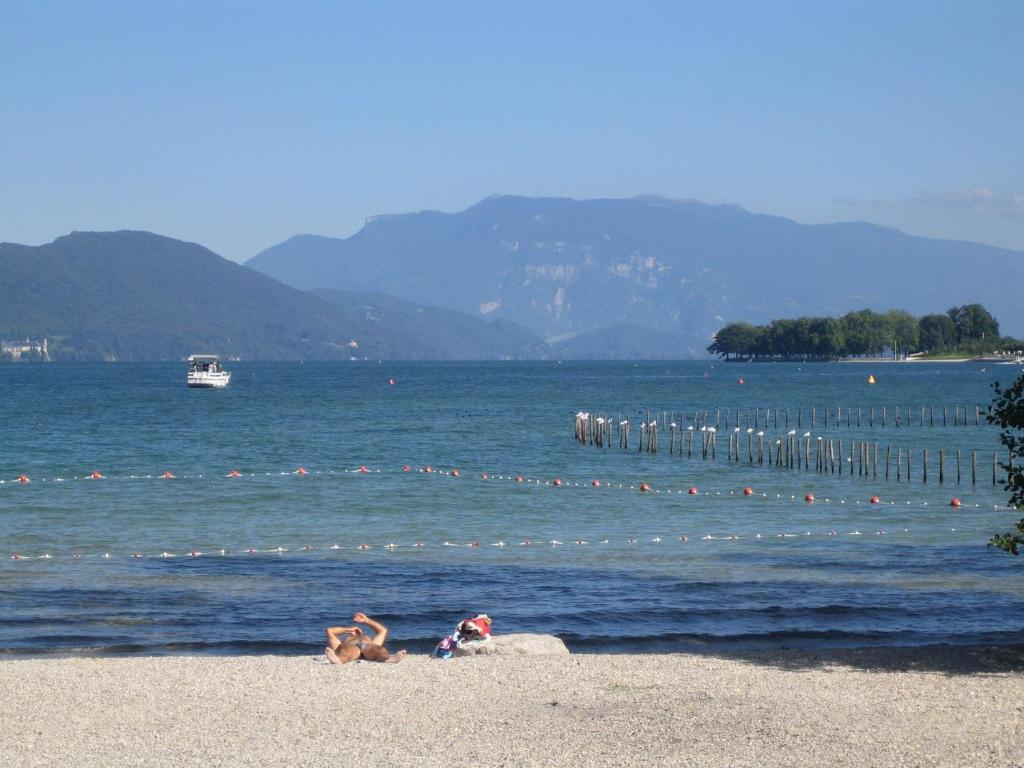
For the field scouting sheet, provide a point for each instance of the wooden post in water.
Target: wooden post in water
(958, 457)
(977, 415)
(840, 456)
(888, 450)
(994, 464)
(924, 465)
(871, 417)
(942, 465)
(812, 417)
(909, 452)
(944, 416)
(800, 417)
(921, 422)
(974, 468)
(899, 464)
(874, 471)
(931, 418)
(897, 415)
(858, 416)
(883, 415)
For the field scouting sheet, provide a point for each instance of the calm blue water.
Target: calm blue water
(919, 572)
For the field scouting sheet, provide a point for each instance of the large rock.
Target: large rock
(516, 645)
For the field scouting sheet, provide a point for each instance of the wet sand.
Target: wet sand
(886, 707)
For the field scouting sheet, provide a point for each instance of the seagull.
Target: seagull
(689, 428)
(736, 430)
(761, 433)
(749, 430)
(791, 432)
(807, 434)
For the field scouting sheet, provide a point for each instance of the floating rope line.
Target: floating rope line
(642, 487)
(472, 544)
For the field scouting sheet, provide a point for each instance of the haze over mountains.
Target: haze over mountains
(568, 268)
(510, 277)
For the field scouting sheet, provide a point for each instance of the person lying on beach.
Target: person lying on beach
(345, 644)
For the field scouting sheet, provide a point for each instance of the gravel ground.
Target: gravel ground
(883, 707)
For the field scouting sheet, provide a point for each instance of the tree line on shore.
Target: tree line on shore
(968, 329)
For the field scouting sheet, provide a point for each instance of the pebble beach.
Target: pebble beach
(936, 706)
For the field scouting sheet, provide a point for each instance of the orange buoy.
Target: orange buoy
(556, 482)
(693, 490)
(874, 500)
(406, 468)
(519, 478)
(644, 487)
(96, 475)
(596, 483)
(484, 476)
(235, 473)
(954, 502)
(300, 471)
(456, 473)
(362, 468)
(809, 498)
(748, 491)
(168, 475)
(428, 470)
(23, 479)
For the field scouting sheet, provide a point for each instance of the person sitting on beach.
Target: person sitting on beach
(468, 632)
(345, 644)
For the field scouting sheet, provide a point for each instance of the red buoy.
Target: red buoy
(809, 498)
(740, 380)
(406, 468)
(748, 491)
(23, 479)
(96, 475)
(519, 478)
(235, 473)
(556, 482)
(300, 471)
(168, 475)
(484, 476)
(644, 487)
(428, 470)
(391, 382)
(362, 468)
(693, 490)
(596, 483)
(874, 500)
(954, 502)
(455, 473)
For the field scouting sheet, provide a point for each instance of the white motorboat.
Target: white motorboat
(1017, 360)
(205, 371)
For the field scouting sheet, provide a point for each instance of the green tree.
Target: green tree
(866, 332)
(734, 339)
(973, 323)
(906, 333)
(1007, 410)
(937, 333)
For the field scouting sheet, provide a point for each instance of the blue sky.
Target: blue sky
(239, 124)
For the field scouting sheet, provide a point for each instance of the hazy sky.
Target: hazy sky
(239, 124)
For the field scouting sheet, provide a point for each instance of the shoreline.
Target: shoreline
(934, 705)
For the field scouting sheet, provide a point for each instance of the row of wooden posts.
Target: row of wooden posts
(792, 451)
(767, 417)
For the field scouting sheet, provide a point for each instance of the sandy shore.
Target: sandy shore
(921, 707)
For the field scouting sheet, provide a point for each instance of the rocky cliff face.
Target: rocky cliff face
(564, 267)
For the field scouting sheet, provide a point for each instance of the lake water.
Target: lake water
(911, 570)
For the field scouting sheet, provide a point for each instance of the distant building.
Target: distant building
(27, 349)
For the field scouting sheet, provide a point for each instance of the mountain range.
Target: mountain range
(566, 269)
(139, 296)
(508, 278)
